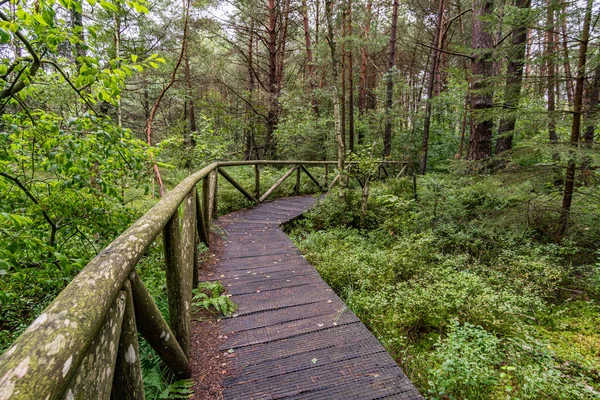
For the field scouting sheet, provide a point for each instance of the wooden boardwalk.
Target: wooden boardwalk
(292, 337)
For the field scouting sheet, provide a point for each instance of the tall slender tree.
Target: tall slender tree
(435, 56)
(576, 124)
(387, 136)
(514, 78)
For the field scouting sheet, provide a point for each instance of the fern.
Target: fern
(209, 296)
(215, 288)
(178, 390)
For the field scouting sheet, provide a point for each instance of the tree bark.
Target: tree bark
(272, 79)
(362, 82)
(312, 79)
(514, 79)
(341, 150)
(343, 60)
(387, 137)
(550, 68)
(188, 139)
(576, 124)
(566, 62)
(482, 93)
(592, 109)
(249, 117)
(437, 45)
(350, 84)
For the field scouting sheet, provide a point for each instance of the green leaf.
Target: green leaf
(109, 6)
(134, 57)
(4, 36)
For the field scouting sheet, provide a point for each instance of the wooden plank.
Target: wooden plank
(292, 336)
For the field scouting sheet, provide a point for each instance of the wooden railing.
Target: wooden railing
(84, 345)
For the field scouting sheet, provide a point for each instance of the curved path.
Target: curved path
(292, 337)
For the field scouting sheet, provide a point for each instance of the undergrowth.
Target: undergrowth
(464, 285)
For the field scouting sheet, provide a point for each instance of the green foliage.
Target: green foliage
(62, 181)
(462, 285)
(156, 387)
(209, 296)
(468, 357)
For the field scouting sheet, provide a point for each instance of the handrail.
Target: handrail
(93, 314)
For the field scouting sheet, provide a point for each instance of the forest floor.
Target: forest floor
(209, 365)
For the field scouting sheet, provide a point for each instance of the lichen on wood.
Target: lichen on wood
(40, 363)
(176, 287)
(94, 376)
(127, 382)
(153, 327)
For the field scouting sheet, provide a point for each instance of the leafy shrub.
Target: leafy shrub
(468, 357)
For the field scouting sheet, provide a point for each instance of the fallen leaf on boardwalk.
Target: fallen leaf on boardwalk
(314, 360)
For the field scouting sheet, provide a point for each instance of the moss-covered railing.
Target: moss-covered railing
(84, 345)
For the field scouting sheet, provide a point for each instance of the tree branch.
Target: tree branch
(50, 221)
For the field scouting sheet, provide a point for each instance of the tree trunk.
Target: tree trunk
(362, 82)
(343, 59)
(482, 93)
(387, 137)
(152, 114)
(576, 124)
(435, 52)
(309, 59)
(350, 84)
(341, 150)
(272, 80)
(514, 79)
(77, 25)
(550, 87)
(566, 62)
(528, 55)
(249, 116)
(592, 109)
(188, 138)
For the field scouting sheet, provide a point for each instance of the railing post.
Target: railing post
(152, 326)
(188, 242)
(297, 187)
(200, 224)
(128, 383)
(94, 377)
(257, 182)
(214, 195)
(205, 207)
(326, 185)
(179, 297)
